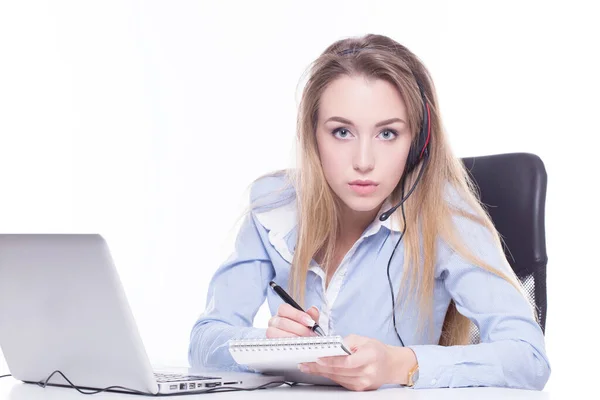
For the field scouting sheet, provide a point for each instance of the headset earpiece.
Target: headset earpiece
(420, 146)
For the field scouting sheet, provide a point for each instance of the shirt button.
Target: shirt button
(433, 381)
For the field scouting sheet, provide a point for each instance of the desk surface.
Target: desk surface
(11, 389)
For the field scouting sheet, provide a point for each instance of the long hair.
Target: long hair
(428, 215)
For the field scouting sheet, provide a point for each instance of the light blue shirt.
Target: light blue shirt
(358, 301)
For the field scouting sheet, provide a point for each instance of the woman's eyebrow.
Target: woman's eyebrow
(348, 122)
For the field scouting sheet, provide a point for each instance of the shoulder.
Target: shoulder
(273, 202)
(456, 198)
(272, 190)
(465, 210)
(471, 231)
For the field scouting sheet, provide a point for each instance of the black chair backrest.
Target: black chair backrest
(513, 188)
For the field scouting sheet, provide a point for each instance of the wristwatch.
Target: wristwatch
(413, 375)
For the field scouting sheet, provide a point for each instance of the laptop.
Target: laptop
(63, 307)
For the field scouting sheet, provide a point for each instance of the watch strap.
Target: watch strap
(413, 375)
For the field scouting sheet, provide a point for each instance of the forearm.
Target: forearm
(505, 363)
(209, 344)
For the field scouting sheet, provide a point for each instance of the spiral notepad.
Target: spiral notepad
(281, 356)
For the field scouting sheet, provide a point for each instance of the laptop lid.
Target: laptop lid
(63, 307)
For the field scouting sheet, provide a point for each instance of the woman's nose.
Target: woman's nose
(364, 160)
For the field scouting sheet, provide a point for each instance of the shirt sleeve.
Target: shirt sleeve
(511, 352)
(235, 293)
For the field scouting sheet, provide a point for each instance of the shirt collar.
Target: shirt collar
(387, 204)
(290, 232)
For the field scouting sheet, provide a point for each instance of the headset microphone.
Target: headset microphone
(389, 212)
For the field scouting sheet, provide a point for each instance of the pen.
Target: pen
(288, 299)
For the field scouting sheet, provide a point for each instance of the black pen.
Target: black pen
(288, 299)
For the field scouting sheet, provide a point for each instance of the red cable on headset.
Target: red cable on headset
(428, 131)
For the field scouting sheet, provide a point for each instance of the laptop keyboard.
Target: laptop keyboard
(163, 377)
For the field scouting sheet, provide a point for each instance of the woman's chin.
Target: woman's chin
(363, 204)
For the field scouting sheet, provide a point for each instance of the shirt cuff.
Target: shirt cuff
(457, 366)
(434, 370)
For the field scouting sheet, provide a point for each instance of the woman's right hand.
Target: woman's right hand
(292, 322)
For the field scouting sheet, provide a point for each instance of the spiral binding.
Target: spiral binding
(284, 344)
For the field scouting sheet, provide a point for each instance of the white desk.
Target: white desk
(11, 389)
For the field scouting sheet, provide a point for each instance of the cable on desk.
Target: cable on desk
(134, 391)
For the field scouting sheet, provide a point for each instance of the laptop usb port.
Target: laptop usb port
(192, 386)
(212, 384)
(173, 387)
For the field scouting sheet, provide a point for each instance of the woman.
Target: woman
(403, 287)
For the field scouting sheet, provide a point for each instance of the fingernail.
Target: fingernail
(302, 368)
(321, 362)
(309, 321)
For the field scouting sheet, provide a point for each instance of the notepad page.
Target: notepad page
(284, 354)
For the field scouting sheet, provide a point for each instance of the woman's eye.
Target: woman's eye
(341, 133)
(388, 134)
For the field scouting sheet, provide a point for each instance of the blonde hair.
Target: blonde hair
(428, 214)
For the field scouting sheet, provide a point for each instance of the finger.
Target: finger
(315, 368)
(273, 332)
(355, 341)
(361, 357)
(314, 313)
(355, 384)
(287, 311)
(351, 383)
(288, 325)
(335, 361)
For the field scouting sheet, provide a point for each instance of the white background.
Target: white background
(147, 121)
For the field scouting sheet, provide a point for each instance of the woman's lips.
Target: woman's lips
(363, 189)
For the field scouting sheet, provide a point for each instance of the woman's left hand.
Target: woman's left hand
(371, 364)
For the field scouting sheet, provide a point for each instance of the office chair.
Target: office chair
(513, 189)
